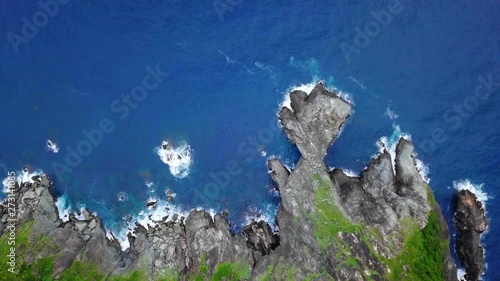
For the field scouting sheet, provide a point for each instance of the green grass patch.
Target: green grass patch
(328, 220)
(25, 250)
(231, 271)
(423, 255)
(82, 271)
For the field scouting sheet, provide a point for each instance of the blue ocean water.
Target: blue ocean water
(229, 64)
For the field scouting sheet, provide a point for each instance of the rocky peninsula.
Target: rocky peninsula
(381, 225)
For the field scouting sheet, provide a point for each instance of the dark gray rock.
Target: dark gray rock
(470, 222)
(315, 120)
(260, 237)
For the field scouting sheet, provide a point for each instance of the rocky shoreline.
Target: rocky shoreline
(332, 226)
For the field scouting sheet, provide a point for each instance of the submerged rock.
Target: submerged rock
(470, 221)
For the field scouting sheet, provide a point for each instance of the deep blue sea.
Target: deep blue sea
(210, 78)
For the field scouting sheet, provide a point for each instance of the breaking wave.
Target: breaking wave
(268, 215)
(477, 189)
(52, 146)
(390, 143)
(313, 68)
(178, 159)
(63, 207)
(20, 177)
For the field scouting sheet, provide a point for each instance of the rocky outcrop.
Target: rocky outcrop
(382, 200)
(177, 246)
(74, 239)
(470, 222)
(331, 226)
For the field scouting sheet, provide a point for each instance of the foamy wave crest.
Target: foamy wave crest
(460, 274)
(178, 158)
(423, 170)
(52, 146)
(313, 67)
(160, 211)
(268, 215)
(63, 207)
(151, 186)
(477, 189)
(390, 114)
(390, 143)
(307, 88)
(21, 177)
(349, 173)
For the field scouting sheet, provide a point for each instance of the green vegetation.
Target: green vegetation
(25, 250)
(80, 271)
(327, 218)
(282, 271)
(423, 254)
(223, 271)
(329, 221)
(231, 271)
(41, 269)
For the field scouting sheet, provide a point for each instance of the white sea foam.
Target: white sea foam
(423, 170)
(63, 207)
(122, 238)
(179, 159)
(110, 235)
(21, 177)
(52, 146)
(477, 189)
(460, 274)
(307, 88)
(150, 218)
(390, 114)
(268, 215)
(79, 215)
(350, 173)
(151, 186)
(122, 196)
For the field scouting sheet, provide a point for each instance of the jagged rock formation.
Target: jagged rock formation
(471, 222)
(176, 246)
(332, 226)
(380, 200)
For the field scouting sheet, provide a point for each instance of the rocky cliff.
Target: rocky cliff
(471, 222)
(382, 225)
